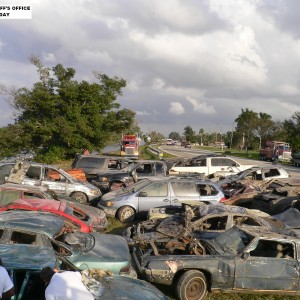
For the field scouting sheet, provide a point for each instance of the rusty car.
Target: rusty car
(240, 260)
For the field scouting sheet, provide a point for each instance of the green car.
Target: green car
(29, 236)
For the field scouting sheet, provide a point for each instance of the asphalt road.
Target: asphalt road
(186, 153)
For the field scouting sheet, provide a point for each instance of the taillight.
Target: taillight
(222, 200)
(125, 270)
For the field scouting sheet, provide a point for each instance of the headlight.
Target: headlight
(95, 192)
(109, 203)
(103, 179)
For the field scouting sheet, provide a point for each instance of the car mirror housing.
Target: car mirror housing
(142, 194)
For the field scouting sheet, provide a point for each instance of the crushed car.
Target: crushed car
(194, 222)
(242, 259)
(21, 230)
(12, 192)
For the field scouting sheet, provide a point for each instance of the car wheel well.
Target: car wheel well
(207, 275)
(122, 216)
(80, 197)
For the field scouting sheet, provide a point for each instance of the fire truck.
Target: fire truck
(130, 146)
(275, 150)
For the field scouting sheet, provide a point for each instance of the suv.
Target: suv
(93, 164)
(137, 170)
(57, 180)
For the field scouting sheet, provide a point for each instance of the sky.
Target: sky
(191, 63)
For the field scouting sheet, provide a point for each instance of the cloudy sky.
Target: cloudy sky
(186, 62)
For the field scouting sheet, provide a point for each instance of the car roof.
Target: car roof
(22, 187)
(262, 232)
(179, 178)
(35, 221)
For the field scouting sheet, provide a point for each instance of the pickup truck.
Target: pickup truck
(208, 165)
(137, 170)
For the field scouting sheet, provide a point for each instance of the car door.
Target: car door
(54, 180)
(264, 268)
(154, 195)
(223, 164)
(183, 190)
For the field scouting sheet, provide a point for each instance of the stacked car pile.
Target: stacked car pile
(45, 221)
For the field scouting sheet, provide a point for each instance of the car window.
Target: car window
(18, 237)
(207, 190)
(272, 172)
(266, 248)
(159, 169)
(9, 196)
(34, 172)
(158, 189)
(245, 220)
(223, 162)
(185, 188)
(90, 162)
(144, 169)
(215, 223)
(32, 195)
(53, 175)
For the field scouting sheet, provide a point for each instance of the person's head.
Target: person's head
(46, 274)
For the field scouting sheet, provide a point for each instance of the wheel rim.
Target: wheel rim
(127, 214)
(196, 289)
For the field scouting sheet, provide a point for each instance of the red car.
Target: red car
(59, 208)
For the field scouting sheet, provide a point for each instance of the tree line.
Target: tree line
(60, 116)
(251, 130)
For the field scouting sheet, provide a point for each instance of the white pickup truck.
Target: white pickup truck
(208, 165)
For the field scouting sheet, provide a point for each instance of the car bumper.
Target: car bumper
(109, 211)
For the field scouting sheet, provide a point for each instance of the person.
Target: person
(6, 285)
(64, 285)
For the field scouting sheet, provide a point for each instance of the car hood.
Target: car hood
(119, 287)
(107, 248)
(112, 173)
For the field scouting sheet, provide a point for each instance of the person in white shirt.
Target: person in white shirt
(64, 285)
(6, 285)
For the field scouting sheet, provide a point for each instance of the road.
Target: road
(184, 152)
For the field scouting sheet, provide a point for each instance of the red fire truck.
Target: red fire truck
(275, 150)
(130, 146)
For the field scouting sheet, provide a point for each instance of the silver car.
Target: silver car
(57, 180)
(127, 203)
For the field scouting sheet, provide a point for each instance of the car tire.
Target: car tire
(126, 214)
(191, 285)
(80, 197)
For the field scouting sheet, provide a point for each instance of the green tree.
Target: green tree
(60, 116)
(189, 134)
(201, 133)
(292, 128)
(174, 136)
(155, 136)
(247, 123)
(265, 128)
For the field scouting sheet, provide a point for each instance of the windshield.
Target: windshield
(81, 240)
(130, 168)
(90, 162)
(232, 240)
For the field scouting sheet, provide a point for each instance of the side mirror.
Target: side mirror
(143, 194)
(245, 255)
